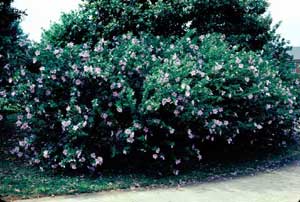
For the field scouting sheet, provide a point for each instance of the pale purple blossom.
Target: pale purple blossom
(19, 154)
(171, 130)
(218, 122)
(73, 166)
(22, 143)
(115, 94)
(218, 67)
(65, 152)
(99, 48)
(46, 154)
(19, 123)
(200, 113)
(146, 130)
(65, 124)
(193, 72)
(99, 161)
(82, 159)
(87, 69)
(24, 126)
(258, 126)
(178, 161)
(56, 51)
(75, 128)
(187, 93)
(77, 82)
(104, 115)
(176, 112)
(176, 172)
(29, 116)
(70, 45)
(149, 107)
(97, 70)
(93, 155)
(190, 134)
(15, 150)
(128, 131)
(215, 111)
(78, 109)
(37, 53)
(85, 55)
(130, 139)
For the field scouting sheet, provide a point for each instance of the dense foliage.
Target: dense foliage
(13, 54)
(148, 98)
(243, 22)
(162, 82)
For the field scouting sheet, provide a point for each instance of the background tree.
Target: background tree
(13, 45)
(13, 55)
(243, 22)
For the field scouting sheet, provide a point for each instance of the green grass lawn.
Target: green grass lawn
(18, 180)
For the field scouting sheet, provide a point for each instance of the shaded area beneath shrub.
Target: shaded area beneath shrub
(19, 180)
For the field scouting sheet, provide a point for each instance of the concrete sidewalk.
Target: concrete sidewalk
(276, 186)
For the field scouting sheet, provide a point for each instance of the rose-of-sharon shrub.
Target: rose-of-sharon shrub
(81, 108)
(211, 93)
(149, 98)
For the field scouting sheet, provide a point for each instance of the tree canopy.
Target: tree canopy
(243, 22)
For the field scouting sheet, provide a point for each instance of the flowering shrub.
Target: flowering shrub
(82, 105)
(201, 94)
(149, 98)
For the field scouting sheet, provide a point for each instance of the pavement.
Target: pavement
(281, 185)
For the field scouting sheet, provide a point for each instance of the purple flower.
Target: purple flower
(97, 70)
(73, 166)
(37, 53)
(178, 161)
(65, 124)
(104, 115)
(176, 172)
(85, 55)
(65, 152)
(115, 94)
(98, 161)
(77, 82)
(46, 154)
(200, 113)
(191, 135)
(128, 131)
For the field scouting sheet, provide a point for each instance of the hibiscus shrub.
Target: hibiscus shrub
(149, 99)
